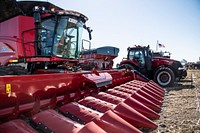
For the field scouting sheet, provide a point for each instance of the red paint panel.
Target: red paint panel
(146, 102)
(80, 111)
(97, 104)
(11, 33)
(118, 93)
(112, 123)
(91, 127)
(133, 117)
(56, 122)
(109, 98)
(140, 107)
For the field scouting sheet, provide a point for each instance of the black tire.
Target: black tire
(18, 70)
(164, 76)
(13, 70)
(127, 66)
(2, 71)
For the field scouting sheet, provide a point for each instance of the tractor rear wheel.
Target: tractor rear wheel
(164, 76)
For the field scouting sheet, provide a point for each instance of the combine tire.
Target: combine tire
(2, 71)
(164, 77)
(18, 70)
(127, 66)
(12, 70)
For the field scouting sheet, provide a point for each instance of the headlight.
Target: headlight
(181, 68)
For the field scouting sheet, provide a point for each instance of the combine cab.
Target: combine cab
(41, 89)
(49, 40)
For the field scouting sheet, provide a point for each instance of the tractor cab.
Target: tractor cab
(141, 57)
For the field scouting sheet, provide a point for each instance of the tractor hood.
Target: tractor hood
(163, 58)
(167, 61)
(162, 61)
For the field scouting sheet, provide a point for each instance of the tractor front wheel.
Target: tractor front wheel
(164, 76)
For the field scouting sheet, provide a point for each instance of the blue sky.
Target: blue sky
(174, 23)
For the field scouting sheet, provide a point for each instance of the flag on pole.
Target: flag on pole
(161, 45)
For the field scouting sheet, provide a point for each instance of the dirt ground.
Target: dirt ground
(181, 107)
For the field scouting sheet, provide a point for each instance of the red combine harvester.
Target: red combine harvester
(161, 69)
(42, 89)
(49, 40)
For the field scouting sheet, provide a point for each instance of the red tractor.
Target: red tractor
(50, 40)
(162, 70)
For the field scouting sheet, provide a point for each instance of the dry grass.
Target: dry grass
(181, 112)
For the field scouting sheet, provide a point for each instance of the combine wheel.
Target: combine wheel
(12, 70)
(2, 71)
(18, 70)
(164, 76)
(5, 70)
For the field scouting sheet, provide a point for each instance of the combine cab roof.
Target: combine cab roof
(11, 8)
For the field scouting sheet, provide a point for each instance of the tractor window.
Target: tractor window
(137, 55)
(67, 40)
(131, 55)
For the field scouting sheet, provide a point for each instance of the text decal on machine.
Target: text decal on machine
(8, 88)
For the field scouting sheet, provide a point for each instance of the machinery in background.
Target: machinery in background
(162, 70)
(99, 58)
